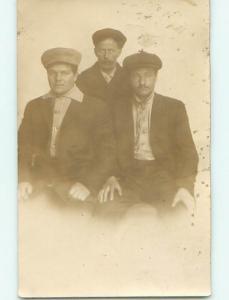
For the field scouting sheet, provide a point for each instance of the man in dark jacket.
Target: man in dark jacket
(65, 138)
(157, 158)
(105, 79)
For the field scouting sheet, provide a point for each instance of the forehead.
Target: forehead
(60, 67)
(143, 71)
(107, 43)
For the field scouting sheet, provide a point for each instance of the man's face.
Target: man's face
(61, 78)
(143, 81)
(107, 52)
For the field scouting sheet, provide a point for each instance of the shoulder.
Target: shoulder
(88, 72)
(36, 103)
(168, 101)
(170, 106)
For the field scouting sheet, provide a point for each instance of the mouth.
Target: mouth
(143, 88)
(106, 63)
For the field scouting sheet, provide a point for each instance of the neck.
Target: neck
(143, 99)
(108, 71)
(62, 94)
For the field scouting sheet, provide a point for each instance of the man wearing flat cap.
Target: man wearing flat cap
(157, 158)
(65, 138)
(105, 78)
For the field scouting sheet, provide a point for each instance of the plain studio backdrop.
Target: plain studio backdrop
(61, 255)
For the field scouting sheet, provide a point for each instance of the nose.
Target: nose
(58, 77)
(106, 54)
(142, 80)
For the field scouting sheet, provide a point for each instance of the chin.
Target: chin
(144, 95)
(107, 67)
(59, 91)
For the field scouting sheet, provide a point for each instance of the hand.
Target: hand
(186, 198)
(79, 191)
(25, 189)
(108, 190)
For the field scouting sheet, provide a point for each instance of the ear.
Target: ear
(76, 75)
(119, 52)
(95, 51)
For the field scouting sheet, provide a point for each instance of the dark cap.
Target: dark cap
(105, 33)
(142, 60)
(61, 55)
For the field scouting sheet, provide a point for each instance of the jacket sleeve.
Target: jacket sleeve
(185, 153)
(104, 149)
(25, 144)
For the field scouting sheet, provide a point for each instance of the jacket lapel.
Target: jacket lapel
(48, 111)
(156, 130)
(102, 80)
(71, 114)
(117, 75)
(99, 79)
(129, 123)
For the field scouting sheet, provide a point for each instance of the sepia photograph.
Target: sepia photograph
(114, 194)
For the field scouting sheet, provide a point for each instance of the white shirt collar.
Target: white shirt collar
(109, 76)
(74, 94)
(148, 100)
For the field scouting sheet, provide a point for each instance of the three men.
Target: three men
(65, 139)
(68, 143)
(157, 159)
(105, 79)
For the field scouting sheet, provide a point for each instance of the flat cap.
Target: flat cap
(105, 33)
(142, 60)
(61, 55)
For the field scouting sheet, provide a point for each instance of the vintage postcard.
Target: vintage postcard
(113, 148)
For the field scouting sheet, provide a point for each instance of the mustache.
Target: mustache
(106, 61)
(143, 86)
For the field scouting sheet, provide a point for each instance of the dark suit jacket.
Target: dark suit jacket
(85, 143)
(170, 137)
(92, 82)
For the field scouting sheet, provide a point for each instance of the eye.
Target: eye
(51, 73)
(150, 74)
(100, 51)
(135, 76)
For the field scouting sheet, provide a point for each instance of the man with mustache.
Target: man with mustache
(65, 139)
(105, 78)
(157, 158)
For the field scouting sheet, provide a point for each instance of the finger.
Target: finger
(71, 191)
(100, 196)
(175, 201)
(27, 192)
(84, 196)
(81, 196)
(106, 193)
(119, 189)
(23, 193)
(25, 196)
(75, 194)
(30, 190)
(112, 193)
(74, 189)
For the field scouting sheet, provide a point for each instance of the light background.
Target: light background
(220, 153)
